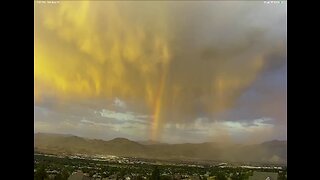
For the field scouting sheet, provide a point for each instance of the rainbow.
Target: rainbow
(158, 104)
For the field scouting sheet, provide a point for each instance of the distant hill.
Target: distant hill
(271, 152)
(149, 142)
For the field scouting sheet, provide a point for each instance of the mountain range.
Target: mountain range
(267, 152)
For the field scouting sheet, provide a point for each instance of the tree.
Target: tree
(41, 173)
(137, 177)
(58, 177)
(221, 176)
(91, 173)
(65, 174)
(155, 174)
(238, 176)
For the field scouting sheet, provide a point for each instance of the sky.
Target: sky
(169, 71)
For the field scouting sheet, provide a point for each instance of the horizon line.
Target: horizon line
(157, 142)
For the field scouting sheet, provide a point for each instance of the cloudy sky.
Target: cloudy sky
(167, 71)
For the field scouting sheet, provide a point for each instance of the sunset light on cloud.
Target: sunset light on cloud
(167, 71)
